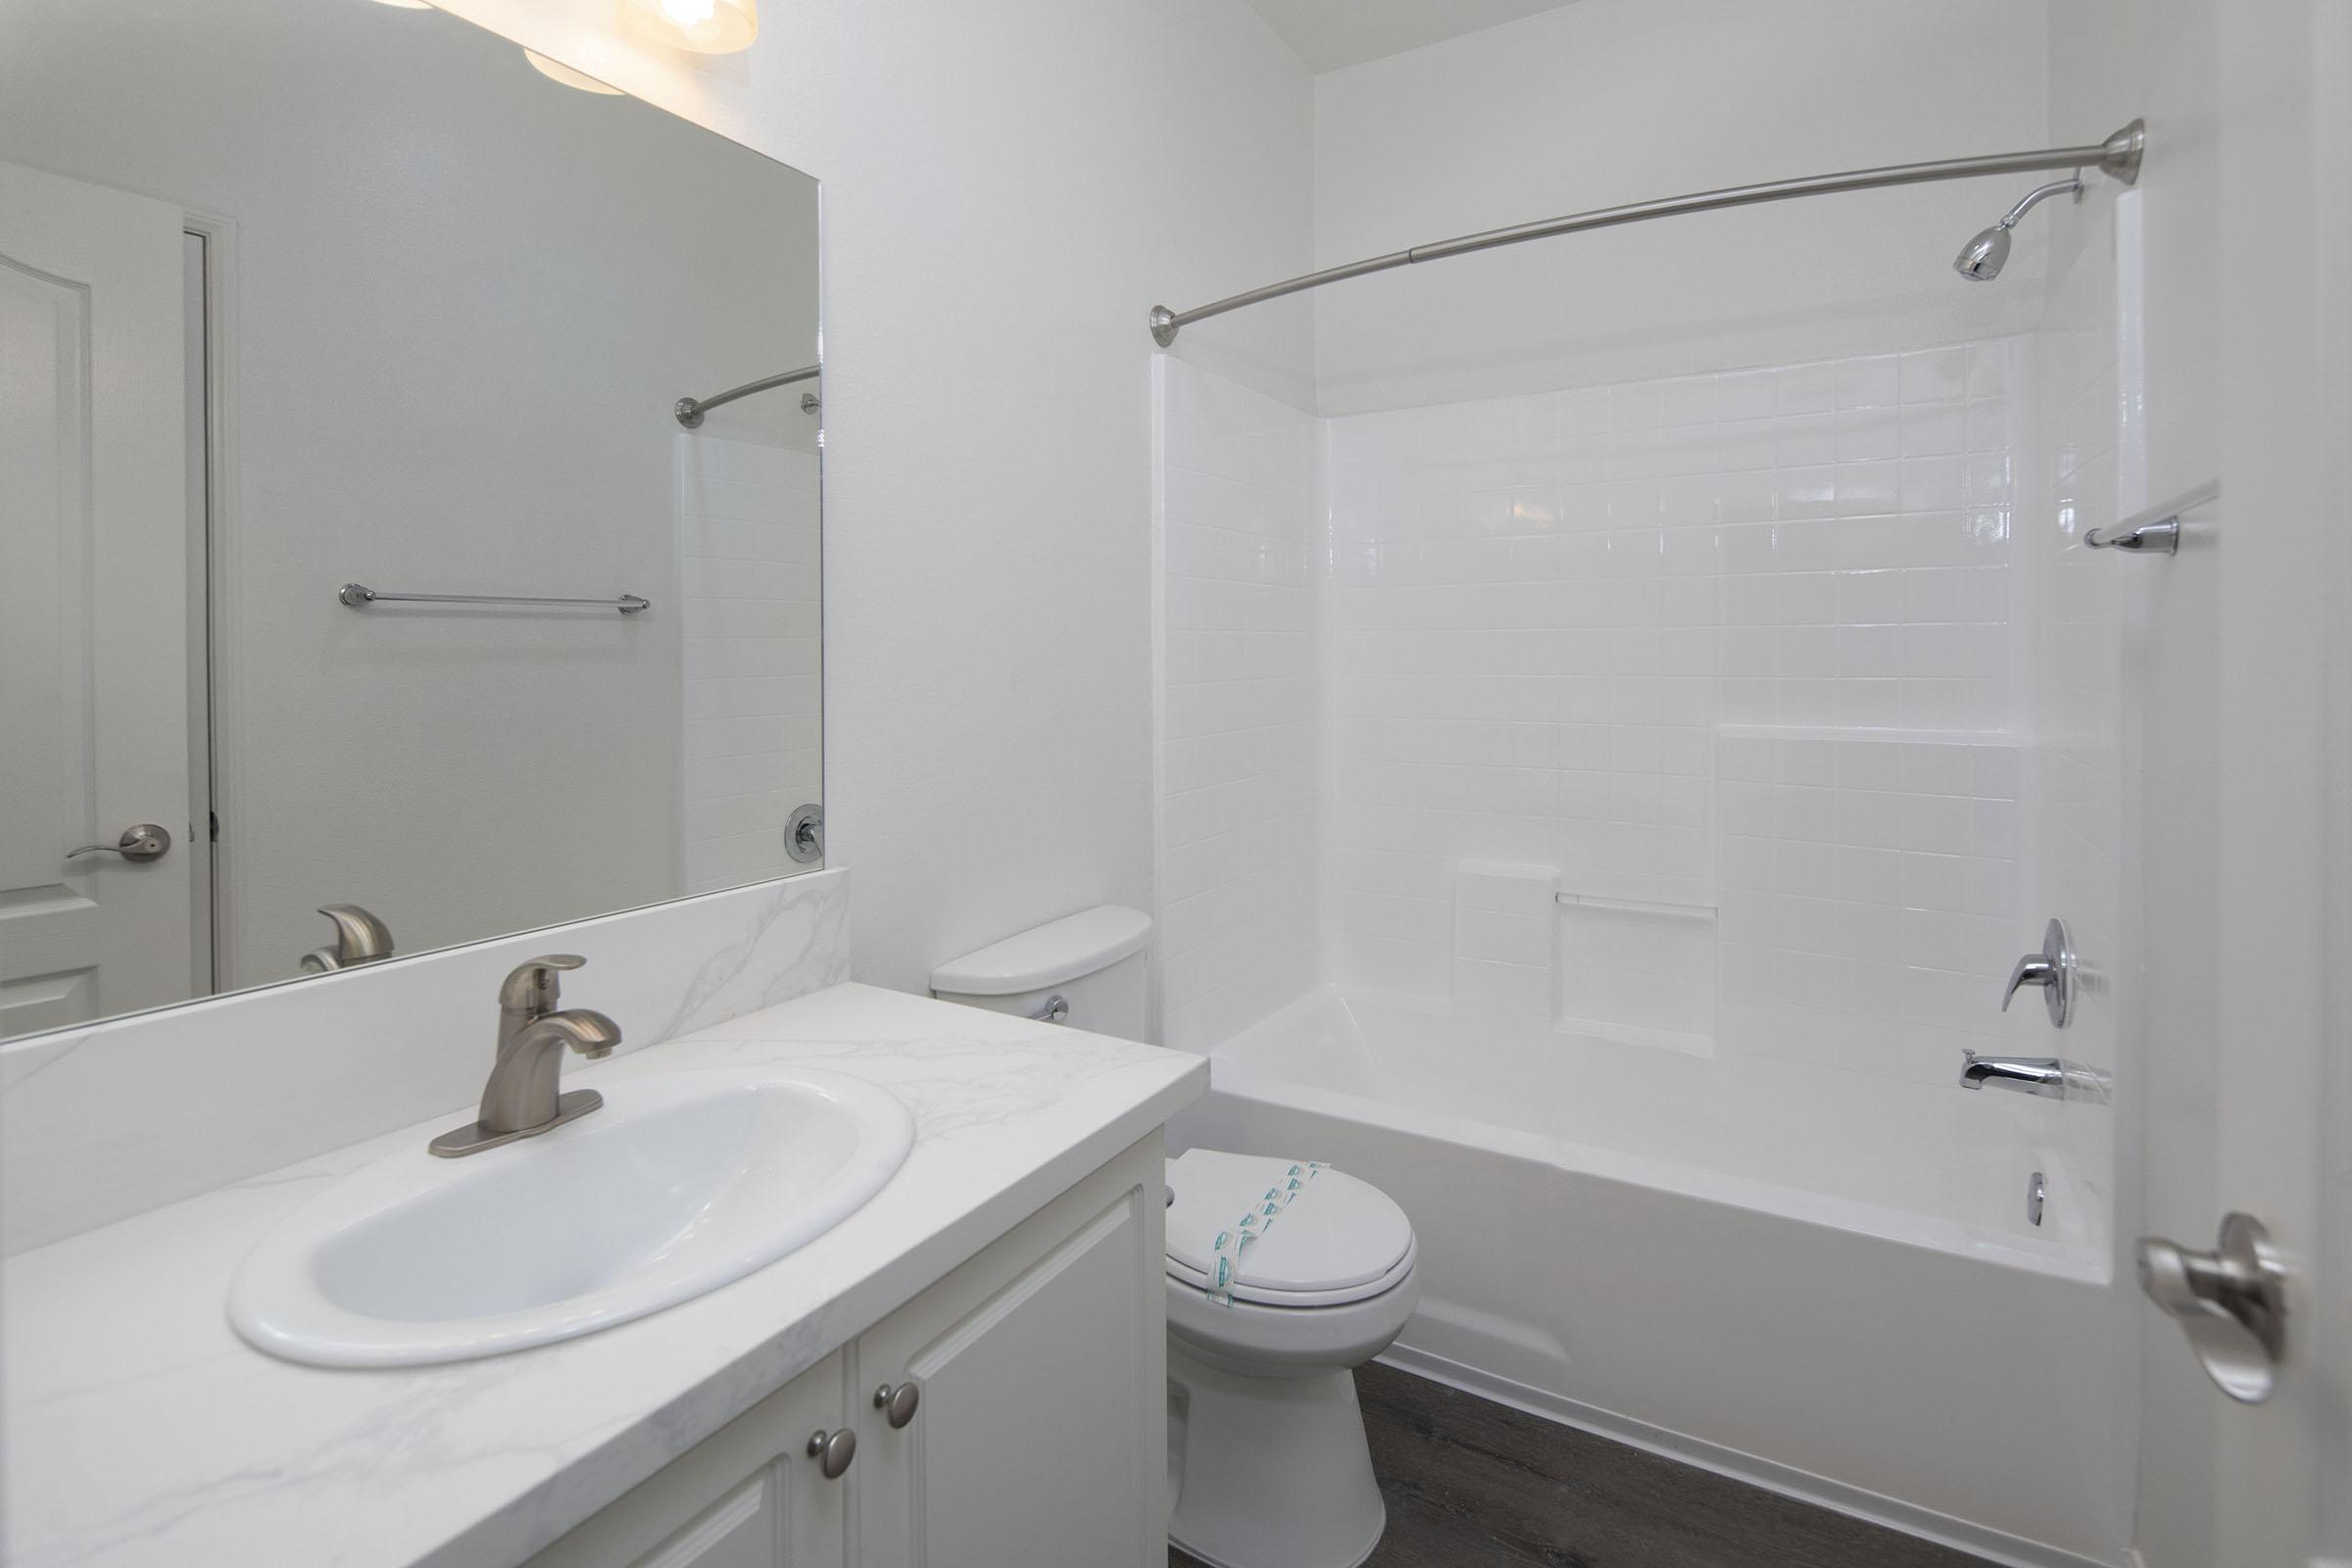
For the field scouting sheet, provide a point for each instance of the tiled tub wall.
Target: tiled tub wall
(1545, 614)
(1870, 899)
(1238, 706)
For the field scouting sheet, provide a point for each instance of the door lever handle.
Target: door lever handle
(2230, 1303)
(141, 841)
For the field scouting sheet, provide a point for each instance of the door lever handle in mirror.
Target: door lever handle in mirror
(141, 841)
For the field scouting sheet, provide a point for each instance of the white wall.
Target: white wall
(1241, 716)
(1008, 188)
(1612, 101)
(453, 357)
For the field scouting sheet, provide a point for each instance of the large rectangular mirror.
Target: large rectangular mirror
(359, 555)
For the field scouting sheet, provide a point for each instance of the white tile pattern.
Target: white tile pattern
(1871, 898)
(1544, 607)
(1539, 621)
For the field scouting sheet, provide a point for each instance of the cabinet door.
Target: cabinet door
(1039, 1437)
(748, 1497)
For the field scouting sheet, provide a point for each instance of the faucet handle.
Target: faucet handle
(360, 936)
(533, 987)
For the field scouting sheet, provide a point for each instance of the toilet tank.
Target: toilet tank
(1094, 962)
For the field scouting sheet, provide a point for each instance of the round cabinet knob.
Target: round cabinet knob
(833, 1451)
(897, 1404)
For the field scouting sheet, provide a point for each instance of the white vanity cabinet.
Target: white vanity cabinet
(1035, 1436)
(748, 1497)
(1039, 1437)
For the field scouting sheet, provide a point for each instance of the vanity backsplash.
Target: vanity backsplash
(103, 1122)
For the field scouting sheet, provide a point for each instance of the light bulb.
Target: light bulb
(557, 70)
(705, 26)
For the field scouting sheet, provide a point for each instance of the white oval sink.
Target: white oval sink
(682, 1183)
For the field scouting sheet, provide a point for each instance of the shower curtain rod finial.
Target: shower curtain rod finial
(1164, 325)
(2121, 157)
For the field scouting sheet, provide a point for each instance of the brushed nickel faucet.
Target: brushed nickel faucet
(521, 1099)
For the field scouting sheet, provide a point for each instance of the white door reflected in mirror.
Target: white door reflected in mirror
(94, 661)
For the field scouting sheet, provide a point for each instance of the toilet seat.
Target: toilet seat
(1193, 1279)
(1262, 1339)
(1339, 1240)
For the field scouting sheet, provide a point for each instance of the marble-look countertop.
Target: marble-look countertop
(140, 1430)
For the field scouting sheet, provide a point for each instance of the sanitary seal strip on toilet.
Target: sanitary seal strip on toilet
(1337, 1236)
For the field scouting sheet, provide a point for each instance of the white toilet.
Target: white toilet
(1268, 1462)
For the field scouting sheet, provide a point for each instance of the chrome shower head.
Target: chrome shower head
(1981, 259)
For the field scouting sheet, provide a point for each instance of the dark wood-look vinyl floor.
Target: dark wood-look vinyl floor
(1471, 1484)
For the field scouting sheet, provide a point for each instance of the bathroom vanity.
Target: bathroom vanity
(1012, 1413)
(980, 1347)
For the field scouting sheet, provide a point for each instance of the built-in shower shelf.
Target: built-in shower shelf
(1856, 732)
(1671, 910)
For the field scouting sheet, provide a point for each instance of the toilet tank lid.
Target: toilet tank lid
(1073, 946)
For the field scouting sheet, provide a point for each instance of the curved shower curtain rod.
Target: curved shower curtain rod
(690, 411)
(2118, 157)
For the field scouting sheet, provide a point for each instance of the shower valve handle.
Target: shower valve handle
(2052, 969)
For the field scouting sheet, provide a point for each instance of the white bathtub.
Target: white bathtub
(1817, 1280)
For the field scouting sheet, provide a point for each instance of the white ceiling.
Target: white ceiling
(1330, 34)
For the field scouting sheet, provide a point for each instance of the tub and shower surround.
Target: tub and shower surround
(1731, 662)
(1671, 802)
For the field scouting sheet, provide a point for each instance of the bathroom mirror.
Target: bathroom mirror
(284, 341)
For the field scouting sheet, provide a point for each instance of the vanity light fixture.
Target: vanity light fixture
(705, 26)
(557, 70)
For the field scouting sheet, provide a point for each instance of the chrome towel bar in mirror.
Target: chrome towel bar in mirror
(358, 595)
